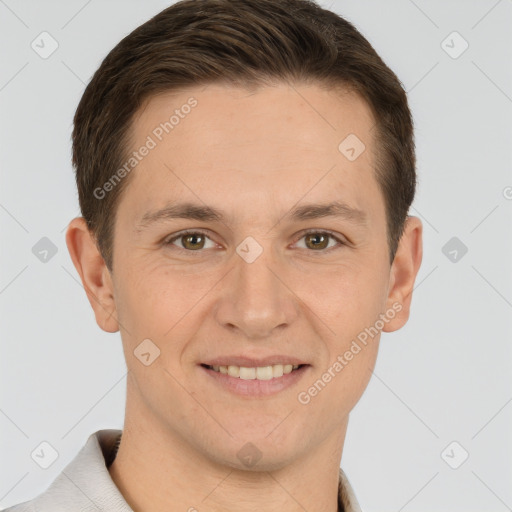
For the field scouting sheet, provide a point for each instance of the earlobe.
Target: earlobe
(93, 272)
(404, 270)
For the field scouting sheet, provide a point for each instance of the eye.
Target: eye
(191, 240)
(319, 240)
(195, 241)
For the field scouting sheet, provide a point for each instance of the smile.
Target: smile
(259, 372)
(254, 382)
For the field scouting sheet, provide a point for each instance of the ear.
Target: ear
(93, 272)
(403, 273)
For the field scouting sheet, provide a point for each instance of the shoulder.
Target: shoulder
(84, 484)
(27, 506)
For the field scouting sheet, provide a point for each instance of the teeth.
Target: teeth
(234, 371)
(259, 373)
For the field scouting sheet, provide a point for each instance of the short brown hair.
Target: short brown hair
(247, 43)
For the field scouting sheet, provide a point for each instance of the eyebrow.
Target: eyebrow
(193, 211)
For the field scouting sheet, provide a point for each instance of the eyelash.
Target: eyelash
(341, 243)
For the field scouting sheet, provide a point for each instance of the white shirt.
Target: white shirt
(85, 483)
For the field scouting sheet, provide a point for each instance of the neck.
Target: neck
(157, 469)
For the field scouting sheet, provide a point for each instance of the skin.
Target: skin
(255, 155)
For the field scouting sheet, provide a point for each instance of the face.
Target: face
(266, 273)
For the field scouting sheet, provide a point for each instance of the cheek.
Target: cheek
(346, 386)
(159, 302)
(346, 297)
(349, 308)
(360, 299)
(146, 292)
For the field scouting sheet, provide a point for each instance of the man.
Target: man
(245, 170)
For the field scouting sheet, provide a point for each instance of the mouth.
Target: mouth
(254, 382)
(255, 373)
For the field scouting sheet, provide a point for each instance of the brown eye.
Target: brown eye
(317, 240)
(193, 241)
(320, 241)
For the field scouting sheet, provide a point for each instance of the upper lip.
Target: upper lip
(251, 362)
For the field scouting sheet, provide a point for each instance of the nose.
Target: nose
(256, 299)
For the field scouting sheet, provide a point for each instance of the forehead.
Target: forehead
(308, 113)
(231, 144)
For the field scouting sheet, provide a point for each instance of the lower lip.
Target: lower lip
(254, 387)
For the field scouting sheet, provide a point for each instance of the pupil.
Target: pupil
(188, 238)
(315, 237)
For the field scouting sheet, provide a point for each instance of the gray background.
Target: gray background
(446, 376)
